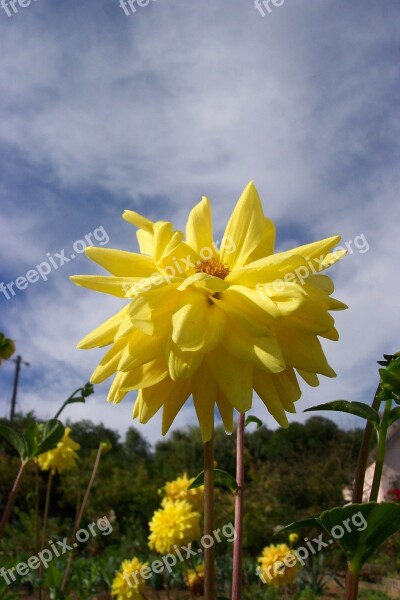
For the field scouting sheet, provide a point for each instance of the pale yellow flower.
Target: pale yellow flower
(128, 582)
(278, 565)
(62, 458)
(175, 524)
(213, 322)
(178, 490)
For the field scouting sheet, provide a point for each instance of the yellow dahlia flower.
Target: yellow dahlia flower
(278, 565)
(174, 523)
(62, 458)
(215, 321)
(178, 490)
(194, 579)
(128, 582)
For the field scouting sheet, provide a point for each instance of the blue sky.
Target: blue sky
(102, 112)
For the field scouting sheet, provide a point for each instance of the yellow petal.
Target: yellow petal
(303, 351)
(288, 389)
(121, 263)
(226, 411)
(138, 220)
(198, 325)
(152, 399)
(266, 390)
(151, 311)
(140, 349)
(189, 325)
(204, 281)
(205, 392)
(234, 377)
(310, 378)
(104, 333)
(109, 363)
(244, 230)
(116, 286)
(262, 352)
(199, 230)
(182, 365)
(144, 376)
(174, 404)
(265, 246)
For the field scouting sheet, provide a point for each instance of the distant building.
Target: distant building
(391, 468)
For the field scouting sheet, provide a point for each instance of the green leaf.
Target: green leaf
(359, 409)
(53, 579)
(50, 435)
(251, 419)
(360, 529)
(31, 434)
(15, 439)
(309, 523)
(221, 478)
(394, 415)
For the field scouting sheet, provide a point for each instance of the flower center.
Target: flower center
(214, 267)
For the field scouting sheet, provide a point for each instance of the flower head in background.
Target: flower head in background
(215, 321)
(178, 490)
(62, 458)
(7, 348)
(278, 565)
(128, 582)
(293, 538)
(194, 579)
(176, 523)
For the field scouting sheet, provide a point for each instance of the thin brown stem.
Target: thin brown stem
(11, 498)
(351, 585)
(79, 517)
(209, 554)
(238, 543)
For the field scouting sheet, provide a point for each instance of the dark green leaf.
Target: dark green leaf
(308, 523)
(15, 439)
(221, 478)
(360, 529)
(251, 419)
(31, 435)
(358, 409)
(51, 434)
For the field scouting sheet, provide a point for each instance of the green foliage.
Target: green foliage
(35, 440)
(221, 478)
(372, 595)
(359, 409)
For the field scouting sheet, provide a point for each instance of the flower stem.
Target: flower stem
(81, 512)
(351, 586)
(209, 566)
(11, 498)
(358, 489)
(238, 543)
(380, 454)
